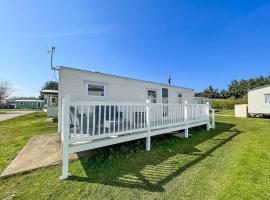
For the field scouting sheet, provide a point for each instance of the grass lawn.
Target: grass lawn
(16, 132)
(225, 112)
(231, 162)
(14, 109)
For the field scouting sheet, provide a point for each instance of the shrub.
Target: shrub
(227, 104)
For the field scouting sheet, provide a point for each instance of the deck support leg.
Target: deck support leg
(186, 132)
(186, 118)
(148, 143)
(148, 138)
(64, 166)
(208, 126)
(213, 119)
(65, 136)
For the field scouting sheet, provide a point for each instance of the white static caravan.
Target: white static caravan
(100, 109)
(91, 86)
(99, 87)
(259, 101)
(51, 102)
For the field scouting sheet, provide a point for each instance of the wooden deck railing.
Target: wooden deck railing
(88, 123)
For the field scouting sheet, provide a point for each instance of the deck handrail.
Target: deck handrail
(87, 122)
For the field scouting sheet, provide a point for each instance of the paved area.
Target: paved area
(40, 151)
(12, 114)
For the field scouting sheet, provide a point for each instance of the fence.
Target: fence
(89, 125)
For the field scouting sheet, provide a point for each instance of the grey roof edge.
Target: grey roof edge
(49, 91)
(260, 87)
(35, 100)
(106, 74)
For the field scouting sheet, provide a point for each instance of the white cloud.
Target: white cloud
(24, 93)
(19, 91)
(17, 87)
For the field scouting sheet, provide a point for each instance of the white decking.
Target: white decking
(88, 125)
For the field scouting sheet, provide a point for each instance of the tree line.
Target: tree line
(49, 85)
(5, 89)
(237, 89)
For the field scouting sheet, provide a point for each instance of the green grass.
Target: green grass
(225, 112)
(231, 162)
(16, 132)
(27, 109)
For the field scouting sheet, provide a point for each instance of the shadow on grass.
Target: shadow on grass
(120, 166)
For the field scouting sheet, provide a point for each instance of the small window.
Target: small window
(21, 103)
(165, 95)
(53, 100)
(152, 95)
(267, 98)
(46, 99)
(180, 98)
(165, 100)
(95, 90)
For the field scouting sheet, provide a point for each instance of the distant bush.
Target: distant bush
(227, 104)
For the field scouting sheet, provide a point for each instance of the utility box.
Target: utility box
(241, 110)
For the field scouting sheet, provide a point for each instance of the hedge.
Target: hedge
(227, 104)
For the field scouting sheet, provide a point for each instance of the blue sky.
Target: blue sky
(199, 43)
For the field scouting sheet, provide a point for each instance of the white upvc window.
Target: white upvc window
(152, 96)
(164, 95)
(54, 100)
(95, 89)
(180, 98)
(267, 98)
(165, 100)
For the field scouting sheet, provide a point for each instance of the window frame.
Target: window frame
(55, 97)
(87, 83)
(161, 95)
(265, 96)
(165, 109)
(154, 90)
(182, 96)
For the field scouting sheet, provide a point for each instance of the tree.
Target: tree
(224, 94)
(49, 85)
(234, 89)
(5, 89)
(237, 89)
(209, 92)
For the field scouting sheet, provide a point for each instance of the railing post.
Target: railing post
(148, 138)
(65, 136)
(186, 119)
(213, 119)
(208, 116)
